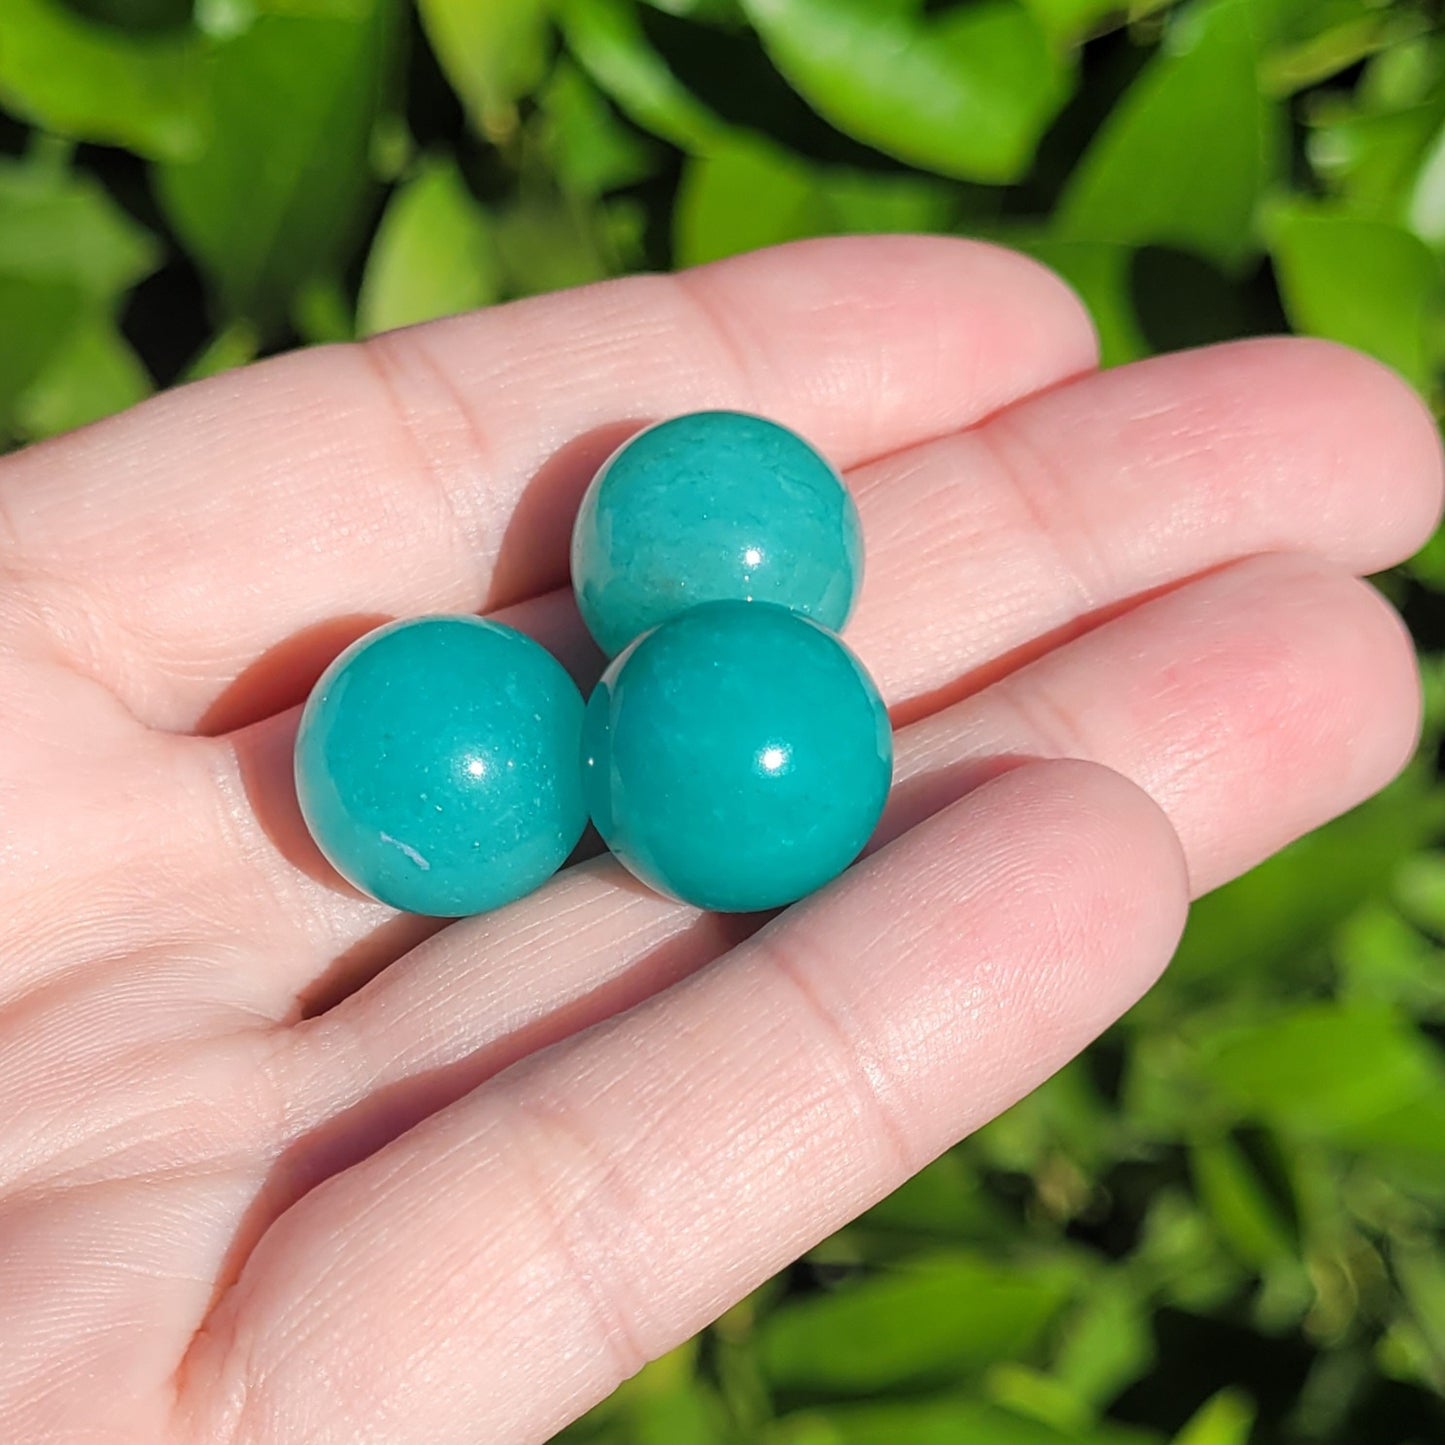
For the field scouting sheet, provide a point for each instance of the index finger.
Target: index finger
(204, 555)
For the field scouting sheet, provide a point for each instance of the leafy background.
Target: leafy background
(1221, 1225)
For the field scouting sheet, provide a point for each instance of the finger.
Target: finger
(1252, 705)
(206, 553)
(506, 1263)
(1124, 482)
(988, 547)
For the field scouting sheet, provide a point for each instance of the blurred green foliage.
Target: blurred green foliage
(1224, 1223)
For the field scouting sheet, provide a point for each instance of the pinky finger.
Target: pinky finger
(502, 1266)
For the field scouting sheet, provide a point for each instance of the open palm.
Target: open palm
(279, 1164)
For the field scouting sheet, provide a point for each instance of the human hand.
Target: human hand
(279, 1164)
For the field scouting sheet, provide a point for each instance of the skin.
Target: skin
(277, 1164)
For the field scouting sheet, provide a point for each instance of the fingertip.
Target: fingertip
(1111, 847)
(964, 327)
(1369, 424)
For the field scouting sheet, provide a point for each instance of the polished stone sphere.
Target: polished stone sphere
(713, 506)
(736, 757)
(436, 765)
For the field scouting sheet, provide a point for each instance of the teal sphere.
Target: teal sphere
(710, 507)
(436, 765)
(737, 757)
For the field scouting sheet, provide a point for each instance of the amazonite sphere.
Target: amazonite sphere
(737, 757)
(436, 765)
(713, 506)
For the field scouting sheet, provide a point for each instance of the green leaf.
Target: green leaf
(1247, 1217)
(665, 1401)
(1105, 1343)
(493, 53)
(93, 374)
(434, 253)
(1421, 1275)
(235, 344)
(1225, 1418)
(750, 193)
(1350, 1074)
(1180, 1256)
(946, 1314)
(276, 199)
(1067, 21)
(98, 83)
(966, 93)
(700, 9)
(939, 1420)
(1039, 1396)
(1262, 933)
(1420, 890)
(546, 241)
(1367, 283)
(1425, 208)
(56, 225)
(1316, 39)
(591, 149)
(1381, 957)
(1185, 156)
(67, 254)
(1371, 162)
(1062, 1126)
(943, 1201)
(607, 40)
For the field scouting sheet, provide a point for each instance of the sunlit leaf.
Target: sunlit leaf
(94, 374)
(1421, 1274)
(1039, 1396)
(277, 196)
(1223, 1419)
(1356, 1075)
(434, 254)
(1066, 21)
(966, 93)
(1381, 957)
(1105, 1343)
(607, 38)
(63, 226)
(1373, 163)
(1367, 283)
(67, 254)
(546, 241)
(1262, 933)
(492, 52)
(749, 194)
(1313, 40)
(946, 1313)
(592, 150)
(1247, 1218)
(944, 1201)
(939, 1420)
(1186, 155)
(665, 1402)
(95, 82)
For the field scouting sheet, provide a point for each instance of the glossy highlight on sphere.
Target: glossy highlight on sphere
(436, 765)
(713, 506)
(737, 757)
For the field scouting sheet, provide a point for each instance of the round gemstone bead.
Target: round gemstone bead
(736, 757)
(436, 765)
(713, 506)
